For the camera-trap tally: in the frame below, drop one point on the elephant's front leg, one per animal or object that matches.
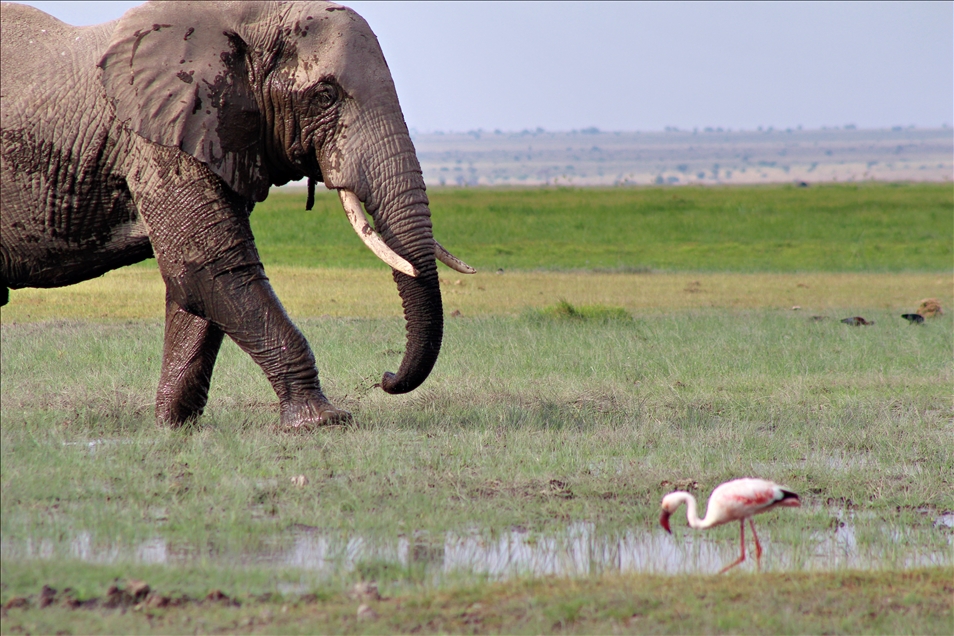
(188, 355)
(240, 300)
(203, 243)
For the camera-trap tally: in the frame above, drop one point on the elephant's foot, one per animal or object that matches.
(175, 415)
(313, 413)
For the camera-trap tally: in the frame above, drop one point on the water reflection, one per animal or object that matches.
(580, 549)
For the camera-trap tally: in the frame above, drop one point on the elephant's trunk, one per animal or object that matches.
(424, 313)
(379, 167)
(407, 230)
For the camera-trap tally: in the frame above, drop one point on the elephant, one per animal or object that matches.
(155, 135)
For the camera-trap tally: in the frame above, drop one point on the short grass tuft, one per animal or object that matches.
(564, 310)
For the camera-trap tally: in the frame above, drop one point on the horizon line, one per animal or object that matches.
(593, 130)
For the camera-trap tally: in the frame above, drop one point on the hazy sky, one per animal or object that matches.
(644, 66)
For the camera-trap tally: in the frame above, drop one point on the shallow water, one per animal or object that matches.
(946, 520)
(579, 549)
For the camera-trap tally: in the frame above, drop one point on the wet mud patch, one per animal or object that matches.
(129, 594)
(917, 601)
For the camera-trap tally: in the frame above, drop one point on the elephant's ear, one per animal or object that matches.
(177, 75)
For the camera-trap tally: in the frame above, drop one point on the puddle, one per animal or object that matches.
(578, 550)
(97, 444)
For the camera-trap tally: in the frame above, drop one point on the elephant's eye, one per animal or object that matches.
(325, 95)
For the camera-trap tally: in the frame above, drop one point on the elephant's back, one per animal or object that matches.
(20, 22)
(41, 52)
(23, 26)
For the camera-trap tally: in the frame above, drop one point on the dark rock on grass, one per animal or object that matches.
(47, 596)
(158, 600)
(218, 596)
(857, 321)
(17, 602)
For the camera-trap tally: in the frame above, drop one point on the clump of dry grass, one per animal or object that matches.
(930, 307)
(565, 310)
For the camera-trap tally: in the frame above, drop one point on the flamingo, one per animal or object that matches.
(735, 500)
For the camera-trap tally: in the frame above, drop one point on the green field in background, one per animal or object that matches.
(779, 228)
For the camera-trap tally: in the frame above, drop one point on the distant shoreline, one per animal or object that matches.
(678, 157)
(593, 130)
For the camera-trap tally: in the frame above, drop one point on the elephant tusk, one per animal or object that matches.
(352, 207)
(452, 261)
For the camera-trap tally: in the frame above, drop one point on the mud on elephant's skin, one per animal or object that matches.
(156, 134)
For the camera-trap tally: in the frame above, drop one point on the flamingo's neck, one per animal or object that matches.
(692, 514)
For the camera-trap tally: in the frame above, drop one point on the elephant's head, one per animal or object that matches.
(267, 92)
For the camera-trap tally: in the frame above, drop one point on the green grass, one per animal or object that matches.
(611, 407)
(563, 406)
(827, 228)
(917, 602)
(138, 293)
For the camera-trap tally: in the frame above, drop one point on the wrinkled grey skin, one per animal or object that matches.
(157, 133)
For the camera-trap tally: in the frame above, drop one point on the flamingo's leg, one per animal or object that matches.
(742, 543)
(758, 546)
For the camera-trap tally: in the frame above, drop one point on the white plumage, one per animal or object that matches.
(735, 500)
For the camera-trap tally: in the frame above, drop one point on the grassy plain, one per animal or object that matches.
(873, 227)
(138, 293)
(915, 602)
(547, 428)
(529, 427)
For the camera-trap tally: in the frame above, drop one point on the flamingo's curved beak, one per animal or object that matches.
(664, 520)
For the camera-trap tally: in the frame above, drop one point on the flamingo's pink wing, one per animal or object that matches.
(741, 498)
